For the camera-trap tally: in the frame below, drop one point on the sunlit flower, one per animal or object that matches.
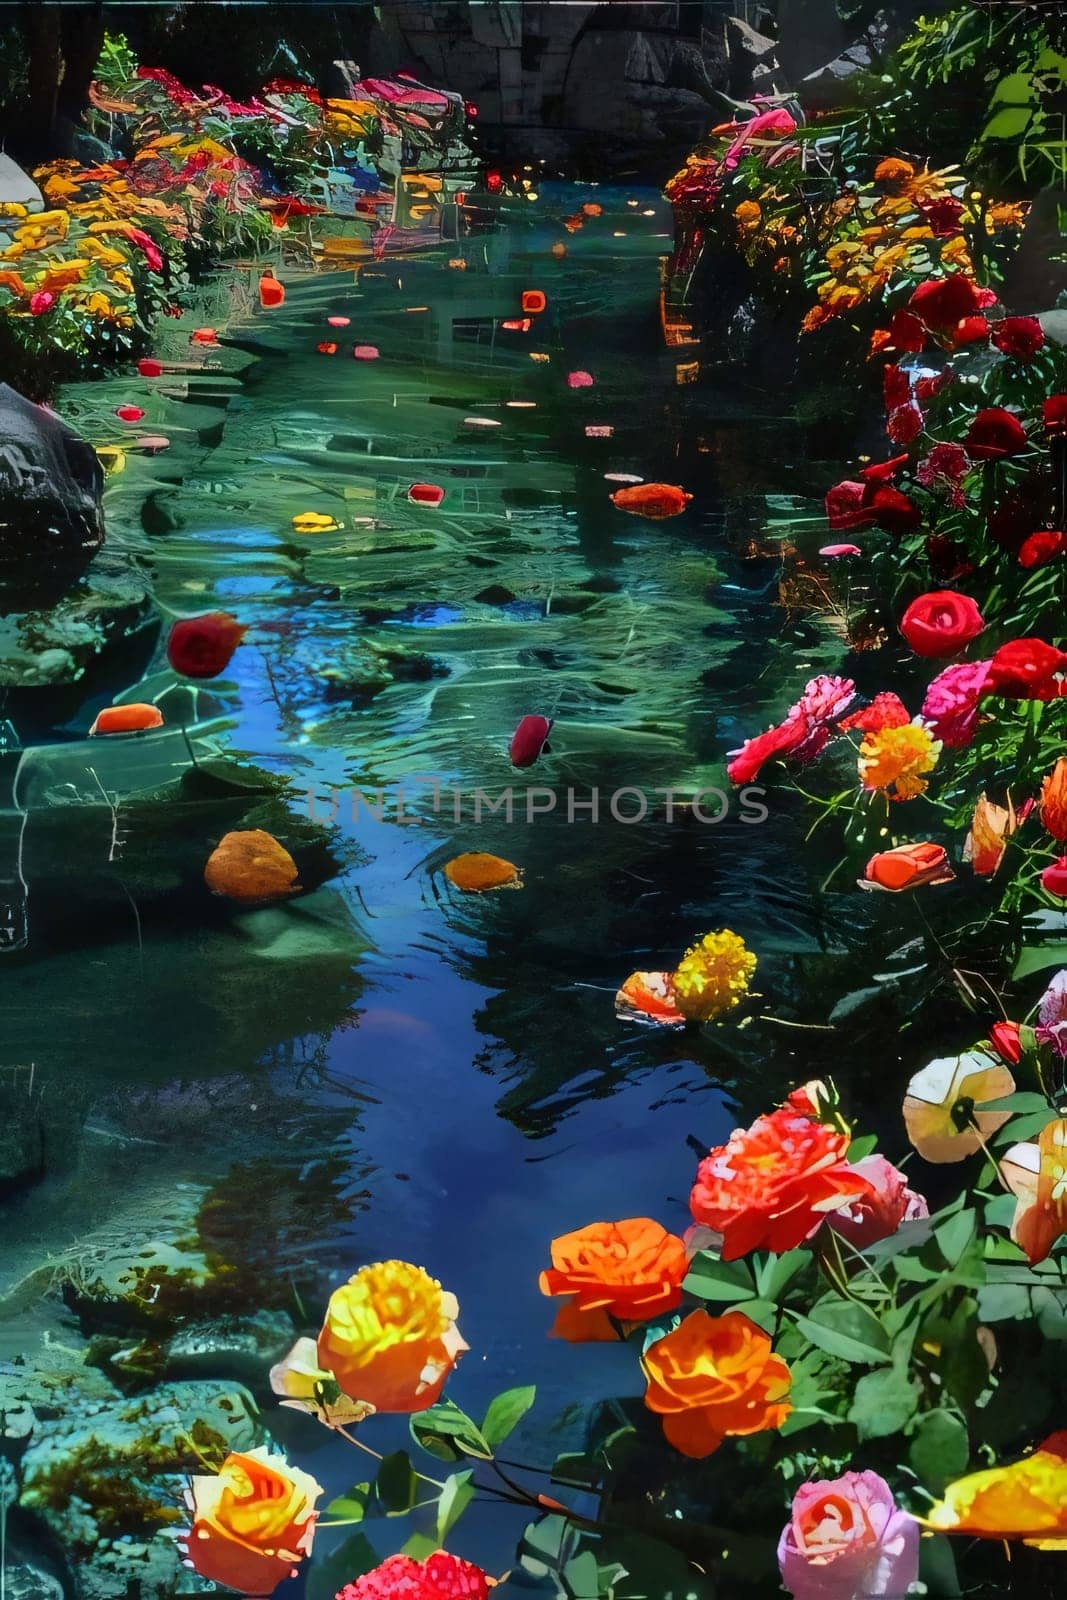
(951, 704)
(886, 710)
(630, 1271)
(907, 866)
(991, 828)
(713, 976)
(713, 1377)
(442, 1576)
(252, 1523)
(648, 997)
(1037, 1175)
(879, 1213)
(940, 1105)
(771, 1186)
(1025, 1500)
(894, 760)
(1052, 807)
(390, 1337)
(845, 1538)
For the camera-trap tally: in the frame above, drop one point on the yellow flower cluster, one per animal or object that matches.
(713, 976)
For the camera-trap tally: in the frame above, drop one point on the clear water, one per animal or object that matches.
(385, 1067)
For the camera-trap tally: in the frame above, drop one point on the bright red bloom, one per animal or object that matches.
(41, 302)
(1041, 547)
(896, 387)
(904, 424)
(755, 753)
(1054, 411)
(886, 710)
(972, 330)
(942, 303)
(1054, 878)
(993, 434)
(846, 506)
(941, 623)
(1004, 1037)
(149, 367)
(927, 388)
(1019, 337)
(771, 1186)
(882, 471)
(906, 333)
(1026, 669)
(440, 1577)
(201, 647)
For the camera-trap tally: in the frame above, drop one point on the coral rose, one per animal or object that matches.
(390, 1337)
(1025, 1500)
(878, 1214)
(630, 1271)
(713, 1377)
(847, 1538)
(440, 1577)
(907, 866)
(253, 1522)
(1054, 878)
(771, 1185)
(1052, 807)
(993, 434)
(1034, 1174)
(941, 623)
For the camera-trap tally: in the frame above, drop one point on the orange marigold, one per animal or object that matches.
(894, 759)
(771, 1185)
(630, 1270)
(712, 1377)
(894, 171)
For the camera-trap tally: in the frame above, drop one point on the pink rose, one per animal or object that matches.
(41, 302)
(847, 1538)
(876, 1215)
(951, 706)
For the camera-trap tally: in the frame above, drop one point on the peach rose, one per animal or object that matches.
(630, 1270)
(1025, 1500)
(846, 1538)
(253, 1522)
(390, 1337)
(715, 1376)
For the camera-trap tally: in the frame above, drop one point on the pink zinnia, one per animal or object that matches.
(951, 705)
(945, 468)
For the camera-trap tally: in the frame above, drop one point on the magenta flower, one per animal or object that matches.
(846, 1538)
(950, 709)
(876, 1215)
(1052, 1015)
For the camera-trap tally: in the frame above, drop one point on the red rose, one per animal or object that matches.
(1004, 1037)
(942, 215)
(1019, 337)
(941, 623)
(972, 330)
(1026, 669)
(994, 433)
(1054, 411)
(881, 471)
(845, 506)
(896, 388)
(1054, 878)
(942, 303)
(904, 424)
(906, 333)
(926, 388)
(893, 511)
(1041, 547)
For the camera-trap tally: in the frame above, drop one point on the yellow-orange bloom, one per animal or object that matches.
(748, 216)
(712, 1377)
(477, 871)
(630, 1270)
(253, 1522)
(894, 171)
(1025, 1500)
(1037, 1176)
(894, 759)
(940, 1105)
(713, 976)
(390, 1337)
(991, 828)
(1053, 802)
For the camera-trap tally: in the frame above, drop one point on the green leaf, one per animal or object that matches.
(505, 1413)
(352, 1505)
(396, 1485)
(937, 1567)
(419, 1546)
(344, 1565)
(454, 1499)
(955, 1235)
(712, 1279)
(448, 1433)
(775, 1273)
(846, 1329)
(1035, 957)
(883, 1402)
(939, 1450)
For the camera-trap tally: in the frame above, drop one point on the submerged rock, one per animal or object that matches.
(50, 487)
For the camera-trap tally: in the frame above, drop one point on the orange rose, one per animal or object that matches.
(252, 1523)
(907, 866)
(1053, 803)
(1025, 1500)
(390, 1337)
(630, 1270)
(715, 1376)
(770, 1186)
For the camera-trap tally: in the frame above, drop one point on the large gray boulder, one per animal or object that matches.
(17, 187)
(50, 487)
